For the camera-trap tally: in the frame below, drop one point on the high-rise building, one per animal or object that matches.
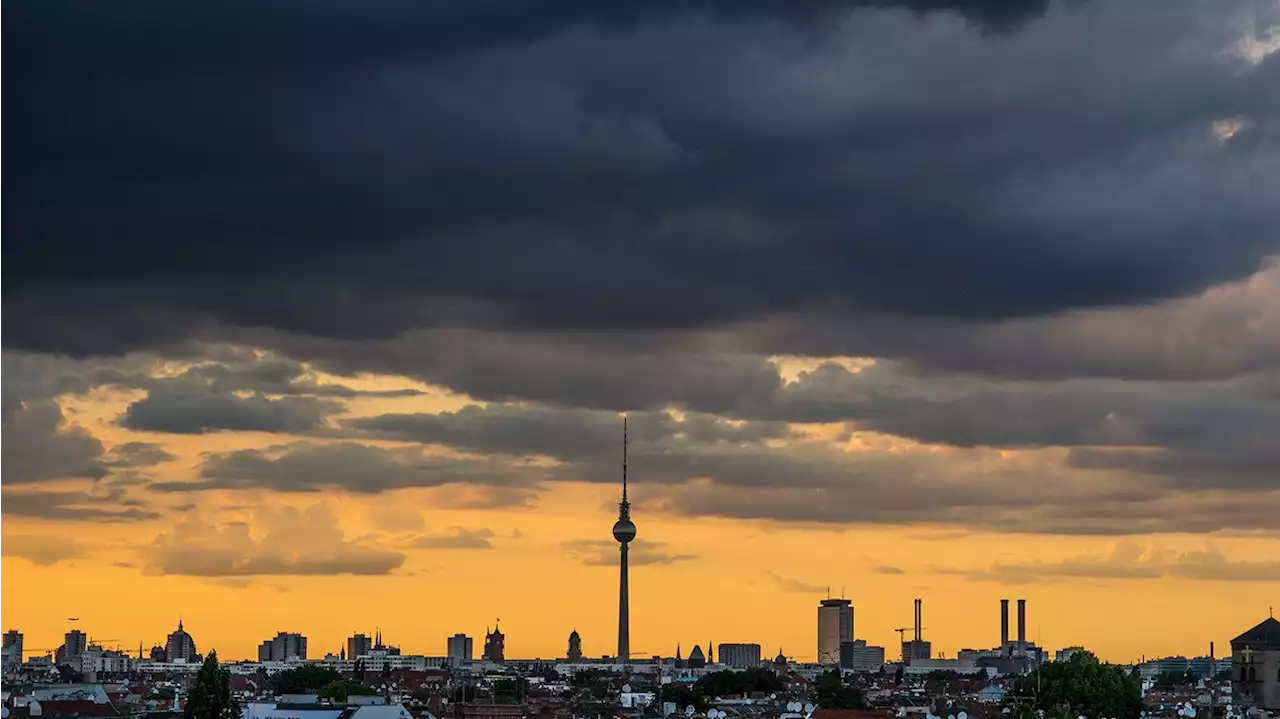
(74, 643)
(624, 531)
(459, 650)
(494, 645)
(12, 648)
(180, 647)
(835, 625)
(575, 647)
(284, 647)
(358, 645)
(740, 656)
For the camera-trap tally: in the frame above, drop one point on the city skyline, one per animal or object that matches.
(953, 300)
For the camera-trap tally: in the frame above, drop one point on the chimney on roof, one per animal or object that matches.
(1004, 627)
(1022, 627)
(919, 619)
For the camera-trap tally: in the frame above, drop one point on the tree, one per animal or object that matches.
(306, 679)
(728, 682)
(210, 696)
(682, 696)
(509, 691)
(830, 692)
(1080, 686)
(340, 689)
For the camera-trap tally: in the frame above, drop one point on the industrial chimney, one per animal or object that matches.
(1022, 627)
(919, 620)
(1004, 627)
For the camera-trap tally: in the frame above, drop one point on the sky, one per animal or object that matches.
(323, 317)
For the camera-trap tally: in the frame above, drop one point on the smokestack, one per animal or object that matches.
(1022, 627)
(919, 619)
(1004, 627)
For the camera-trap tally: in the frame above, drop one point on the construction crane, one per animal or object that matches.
(902, 631)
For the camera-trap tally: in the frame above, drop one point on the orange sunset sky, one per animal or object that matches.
(542, 569)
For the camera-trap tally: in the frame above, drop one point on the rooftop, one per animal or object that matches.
(1266, 634)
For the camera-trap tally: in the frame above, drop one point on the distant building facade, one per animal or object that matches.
(740, 656)
(73, 645)
(835, 625)
(1255, 666)
(858, 656)
(459, 650)
(285, 646)
(358, 645)
(12, 652)
(180, 647)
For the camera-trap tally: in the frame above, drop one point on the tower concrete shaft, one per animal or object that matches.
(624, 611)
(624, 531)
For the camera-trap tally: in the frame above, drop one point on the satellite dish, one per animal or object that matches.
(626, 688)
(951, 716)
(688, 711)
(773, 696)
(793, 706)
(4, 712)
(808, 708)
(962, 715)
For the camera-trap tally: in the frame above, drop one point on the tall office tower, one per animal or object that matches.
(835, 625)
(740, 656)
(624, 531)
(73, 645)
(358, 645)
(460, 650)
(12, 648)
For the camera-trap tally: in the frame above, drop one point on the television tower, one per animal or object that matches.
(624, 530)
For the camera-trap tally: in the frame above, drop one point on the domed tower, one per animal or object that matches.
(575, 647)
(180, 646)
(624, 531)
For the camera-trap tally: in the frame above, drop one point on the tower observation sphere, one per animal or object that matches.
(624, 530)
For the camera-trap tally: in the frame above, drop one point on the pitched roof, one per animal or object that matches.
(1266, 634)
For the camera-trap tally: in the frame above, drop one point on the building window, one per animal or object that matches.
(1253, 674)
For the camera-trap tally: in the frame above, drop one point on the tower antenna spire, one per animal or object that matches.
(624, 458)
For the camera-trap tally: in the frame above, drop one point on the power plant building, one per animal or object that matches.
(917, 648)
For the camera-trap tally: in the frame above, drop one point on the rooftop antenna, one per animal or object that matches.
(624, 458)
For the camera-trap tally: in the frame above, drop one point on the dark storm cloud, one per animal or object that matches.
(181, 412)
(134, 455)
(74, 506)
(564, 434)
(40, 445)
(455, 538)
(1128, 560)
(262, 373)
(289, 541)
(309, 467)
(352, 177)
